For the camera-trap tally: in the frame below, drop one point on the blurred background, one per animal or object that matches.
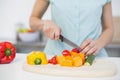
(14, 20)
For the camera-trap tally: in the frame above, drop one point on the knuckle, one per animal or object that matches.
(95, 43)
(86, 50)
(56, 36)
(89, 53)
(94, 48)
(51, 38)
(46, 29)
(90, 46)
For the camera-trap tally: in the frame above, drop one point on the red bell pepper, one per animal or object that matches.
(53, 60)
(66, 53)
(7, 52)
(76, 50)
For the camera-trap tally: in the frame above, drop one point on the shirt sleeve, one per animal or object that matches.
(107, 1)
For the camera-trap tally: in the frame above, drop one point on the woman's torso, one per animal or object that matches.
(78, 20)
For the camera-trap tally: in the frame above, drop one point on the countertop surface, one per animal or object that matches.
(43, 43)
(14, 71)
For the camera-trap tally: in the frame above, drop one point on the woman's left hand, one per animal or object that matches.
(90, 47)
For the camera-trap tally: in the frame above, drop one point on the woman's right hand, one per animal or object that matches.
(51, 30)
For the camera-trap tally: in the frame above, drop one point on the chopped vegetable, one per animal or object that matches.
(71, 58)
(53, 60)
(76, 50)
(89, 60)
(65, 61)
(66, 53)
(77, 61)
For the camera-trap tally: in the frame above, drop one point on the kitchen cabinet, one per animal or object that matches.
(113, 49)
(28, 47)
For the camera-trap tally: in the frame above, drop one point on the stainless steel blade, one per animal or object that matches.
(67, 41)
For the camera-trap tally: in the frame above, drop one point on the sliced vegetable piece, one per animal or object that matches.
(73, 54)
(76, 50)
(53, 60)
(82, 55)
(66, 53)
(89, 60)
(77, 61)
(65, 61)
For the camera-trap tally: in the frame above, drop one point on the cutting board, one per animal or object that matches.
(100, 68)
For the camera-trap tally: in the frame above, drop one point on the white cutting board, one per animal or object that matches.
(99, 69)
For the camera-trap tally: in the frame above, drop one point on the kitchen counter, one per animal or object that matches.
(113, 48)
(14, 71)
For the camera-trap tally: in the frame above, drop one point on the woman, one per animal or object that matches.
(87, 23)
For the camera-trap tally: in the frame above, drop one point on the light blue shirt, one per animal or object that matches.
(78, 20)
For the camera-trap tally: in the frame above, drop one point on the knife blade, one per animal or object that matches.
(70, 43)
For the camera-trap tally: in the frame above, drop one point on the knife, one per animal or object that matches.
(70, 43)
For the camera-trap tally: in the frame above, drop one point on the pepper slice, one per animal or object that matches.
(66, 53)
(53, 60)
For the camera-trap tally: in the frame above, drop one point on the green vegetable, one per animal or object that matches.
(37, 61)
(89, 60)
(22, 30)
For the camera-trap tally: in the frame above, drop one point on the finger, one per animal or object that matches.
(57, 34)
(88, 47)
(91, 51)
(52, 35)
(85, 43)
(46, 27)
(96, 52)
(47, 32)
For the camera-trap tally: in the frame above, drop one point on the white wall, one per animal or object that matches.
(116, 7)
(14, 11)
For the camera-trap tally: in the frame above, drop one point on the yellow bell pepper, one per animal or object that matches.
(77, 61)
(82, 55)
(64, 61)
(36, 58)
